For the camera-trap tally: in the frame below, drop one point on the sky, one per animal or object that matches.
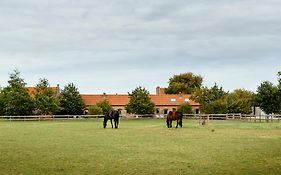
(114, 46)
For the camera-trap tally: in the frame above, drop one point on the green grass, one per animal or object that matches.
(142, 146)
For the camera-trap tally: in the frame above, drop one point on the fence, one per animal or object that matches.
(200, 117)
(48, 117)
(205, 118)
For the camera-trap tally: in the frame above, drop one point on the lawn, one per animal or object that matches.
(140, 146)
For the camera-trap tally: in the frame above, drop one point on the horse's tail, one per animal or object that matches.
(167, 121)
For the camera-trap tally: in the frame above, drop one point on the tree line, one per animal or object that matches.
(215, 100)
(15, 99)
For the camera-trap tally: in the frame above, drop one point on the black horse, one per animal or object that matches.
(174, 116)
(112, 115)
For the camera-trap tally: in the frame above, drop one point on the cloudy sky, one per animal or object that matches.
(114, 46)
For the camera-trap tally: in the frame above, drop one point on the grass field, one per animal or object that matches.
(142, 146)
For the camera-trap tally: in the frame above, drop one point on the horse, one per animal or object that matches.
(113, 114)
(174, 116)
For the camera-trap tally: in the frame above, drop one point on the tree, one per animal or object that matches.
(140, 102)
(71, 102)
(210, 99)
(218, 106)
(185, 108)
(184, 83)
(105, 106)
(95, 110)
(268, 97)
(1, 103)
(46, 102)
(15, 98)
(239, 101)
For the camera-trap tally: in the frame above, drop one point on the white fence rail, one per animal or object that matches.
(203, 117)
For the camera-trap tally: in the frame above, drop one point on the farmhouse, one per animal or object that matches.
(163, 102)
(55, 89)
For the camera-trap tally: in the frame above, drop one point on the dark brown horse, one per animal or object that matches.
(174, 116)
(112, 115)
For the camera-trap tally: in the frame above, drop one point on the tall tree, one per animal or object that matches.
(239, 101)
(71, 101)
(15, 98)
(45, 98)
(268, 97)
(140, 102)
(1, 103)
(210, 99)
(184, 83)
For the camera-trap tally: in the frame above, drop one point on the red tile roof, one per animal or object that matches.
(31, 90)
(122, 100)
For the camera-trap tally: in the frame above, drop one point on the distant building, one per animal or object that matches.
(163, 102)
(56, 90)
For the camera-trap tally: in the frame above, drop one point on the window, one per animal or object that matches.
(186, 100)
(157, 110)
(173, 100)
(165, 111)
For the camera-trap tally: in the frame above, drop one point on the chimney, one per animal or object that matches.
(157, 90)
(160, 90)
(58, 90)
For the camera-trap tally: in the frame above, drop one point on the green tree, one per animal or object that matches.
(185, 108)
(95, 110)
(268, 97)
(140, 102)
(45, 98)
(105, 106)
(239, 101)
(15, 98)
(184, 83)
(218, 106)
(71, 102)
(1, 103)
(209, 98)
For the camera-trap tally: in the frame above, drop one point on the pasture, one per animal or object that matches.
(139, 146)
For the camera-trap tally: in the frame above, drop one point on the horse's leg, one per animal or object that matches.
(104, 122)
(170, 123)
(180, 122)
(177, 123)
(111, 123)
(116, 123)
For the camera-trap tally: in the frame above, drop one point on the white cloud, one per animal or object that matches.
(102, 45)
